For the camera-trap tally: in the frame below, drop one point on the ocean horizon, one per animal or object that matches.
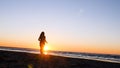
(92, 56)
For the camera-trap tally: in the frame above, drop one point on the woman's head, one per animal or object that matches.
(42, 33)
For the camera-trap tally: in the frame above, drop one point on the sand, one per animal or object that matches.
(9, 59)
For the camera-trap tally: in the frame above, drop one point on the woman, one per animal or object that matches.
(42, 40)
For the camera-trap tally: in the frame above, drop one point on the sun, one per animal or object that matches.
(46, 48)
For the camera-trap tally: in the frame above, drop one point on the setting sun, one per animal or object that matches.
(46, 48)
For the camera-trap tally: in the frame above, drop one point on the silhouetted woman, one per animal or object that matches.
(42, 40)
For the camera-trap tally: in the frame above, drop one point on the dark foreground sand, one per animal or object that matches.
(27, 60)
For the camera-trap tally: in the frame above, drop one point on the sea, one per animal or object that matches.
(80, 55)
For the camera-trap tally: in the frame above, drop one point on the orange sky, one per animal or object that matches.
(61, 47)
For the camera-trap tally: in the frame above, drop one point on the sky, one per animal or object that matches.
(91, 26)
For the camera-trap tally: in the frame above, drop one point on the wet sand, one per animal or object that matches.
(9, 59)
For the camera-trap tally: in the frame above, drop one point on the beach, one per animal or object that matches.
(11, 59)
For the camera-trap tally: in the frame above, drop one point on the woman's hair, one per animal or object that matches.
(42, 32)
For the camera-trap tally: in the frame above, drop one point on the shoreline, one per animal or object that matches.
(13, 59)
(26, 50)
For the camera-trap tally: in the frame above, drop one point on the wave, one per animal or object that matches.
(92, 56)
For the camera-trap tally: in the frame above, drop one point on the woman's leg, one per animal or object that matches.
(41, 48)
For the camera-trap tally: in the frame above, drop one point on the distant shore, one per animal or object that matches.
(10, 59)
